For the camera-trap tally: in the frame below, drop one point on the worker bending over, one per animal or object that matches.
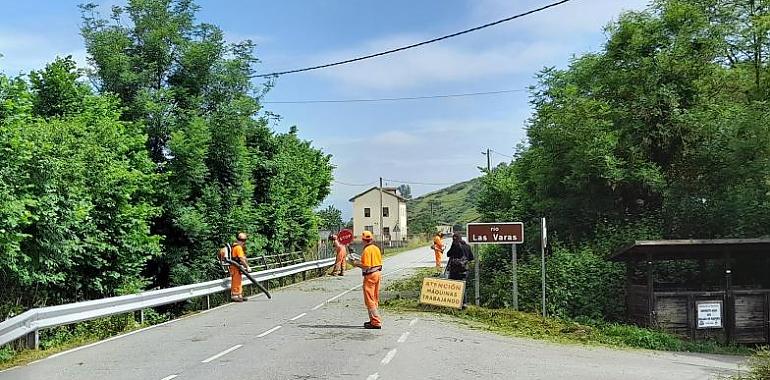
(238, 255)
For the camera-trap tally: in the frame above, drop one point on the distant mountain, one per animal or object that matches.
(454, 205)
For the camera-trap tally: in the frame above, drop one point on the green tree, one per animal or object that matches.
(223, 169)
(330, 218)
(405, 191)
(75, 198)
(57, 90)
(661, 134)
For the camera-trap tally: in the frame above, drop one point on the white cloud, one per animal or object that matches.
(566, 21)
(22, 53)
(438, 63)
(522, 46)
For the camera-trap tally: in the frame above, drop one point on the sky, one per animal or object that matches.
(425, 143)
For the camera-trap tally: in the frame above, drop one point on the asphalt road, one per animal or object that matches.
(314, 331)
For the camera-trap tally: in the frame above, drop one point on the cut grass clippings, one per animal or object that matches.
(759, 366)
(530, 325)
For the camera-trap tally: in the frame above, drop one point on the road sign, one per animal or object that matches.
(709, 314)
(345, 237)
(496, 233)
(444, 293)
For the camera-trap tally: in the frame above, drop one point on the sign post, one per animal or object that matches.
(515, 277)
(499, 233)
(543, 244)
(476, 268)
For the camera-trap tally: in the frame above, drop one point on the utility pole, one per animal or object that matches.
(476, 265)
(382, 236)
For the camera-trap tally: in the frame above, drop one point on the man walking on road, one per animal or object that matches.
(341, 251)
(438, 249)
(371, 266)
(238, 255)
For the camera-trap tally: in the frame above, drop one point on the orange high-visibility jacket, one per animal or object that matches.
(371, 256)
(438, 245)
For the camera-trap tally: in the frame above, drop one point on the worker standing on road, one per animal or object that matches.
(238, 255)
(371, 266)
(438, 249)
(341, 251)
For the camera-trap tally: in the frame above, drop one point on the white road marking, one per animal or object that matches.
(338, 296)
(414, 321)
(274, 329)
(352, 289)
(169, 377)
(373, 376)
(9, 369)
(403, 337)
(298, 317)
(223, 353)
(388, 357)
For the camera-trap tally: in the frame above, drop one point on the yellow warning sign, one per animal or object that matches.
(440, 292)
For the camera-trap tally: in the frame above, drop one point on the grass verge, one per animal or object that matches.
(529, 325)
(759, 366)
(414, 244)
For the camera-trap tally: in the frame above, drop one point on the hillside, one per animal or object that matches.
(452, 205)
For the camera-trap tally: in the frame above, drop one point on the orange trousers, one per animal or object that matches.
(235, 282)
(372, 297)
(339, 265)
(438, 258)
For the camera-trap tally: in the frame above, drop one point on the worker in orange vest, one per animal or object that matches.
(371, 266)
(438, 249)
(341, 251)
(238, 255)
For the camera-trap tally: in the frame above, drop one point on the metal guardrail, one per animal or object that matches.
(31, 321)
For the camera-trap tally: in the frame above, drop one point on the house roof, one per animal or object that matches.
(385, 190)
(657, 250)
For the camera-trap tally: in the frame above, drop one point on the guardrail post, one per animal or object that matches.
(141, 316)
(208, 302)
(33, 340)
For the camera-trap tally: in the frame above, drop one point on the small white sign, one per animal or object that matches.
(709, 314)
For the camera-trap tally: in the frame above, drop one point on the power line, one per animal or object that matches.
(442, 96)
(275, 74)
(501, 154)
(354, 184)
(420, 183)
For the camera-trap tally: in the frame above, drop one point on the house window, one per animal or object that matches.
(386, 232)
(369, 228)
(367, 212)
(385, 212)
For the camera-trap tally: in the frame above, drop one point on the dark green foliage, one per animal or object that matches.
(663, 133)
(76, 204)
(223, 170)
(57, 91)
(137, 181)
(453, 205)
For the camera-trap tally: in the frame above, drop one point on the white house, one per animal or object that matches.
(366, 214)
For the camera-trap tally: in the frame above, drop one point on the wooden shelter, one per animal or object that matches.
(700, 289)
